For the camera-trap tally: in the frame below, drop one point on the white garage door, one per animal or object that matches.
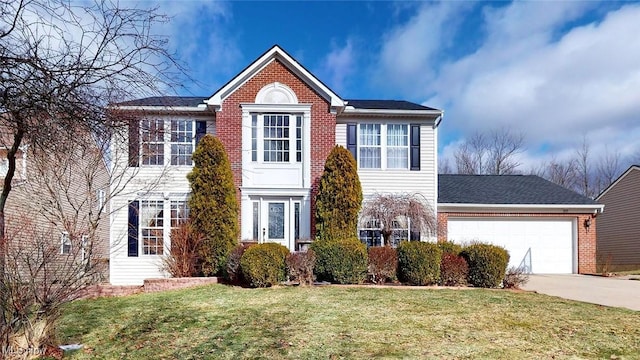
(546, 245)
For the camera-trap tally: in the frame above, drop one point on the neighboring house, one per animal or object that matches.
(54, 205)
(278, 123)
(618, 243)
(545, 227)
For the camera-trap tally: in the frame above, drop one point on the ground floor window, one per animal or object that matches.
(371, 233)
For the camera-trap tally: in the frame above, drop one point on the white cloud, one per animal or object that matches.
(338, 65)
(537, 73)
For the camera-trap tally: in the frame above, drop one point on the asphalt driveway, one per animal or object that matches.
(608, 291)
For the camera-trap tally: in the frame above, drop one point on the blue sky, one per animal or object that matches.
(557, 71)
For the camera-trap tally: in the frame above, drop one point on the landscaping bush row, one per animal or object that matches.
(348, 261)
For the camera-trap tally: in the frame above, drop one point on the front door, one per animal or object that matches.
(275, 216)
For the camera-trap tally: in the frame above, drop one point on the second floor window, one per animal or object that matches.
(277, 137)
(167, 142)
(383, 146)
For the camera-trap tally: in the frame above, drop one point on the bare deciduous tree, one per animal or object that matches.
(492, 154)
(609, 168)
(412, 209)
(61, 63)
(563, 173)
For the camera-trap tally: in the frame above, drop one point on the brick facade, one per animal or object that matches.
(586, 236)
(323, 123)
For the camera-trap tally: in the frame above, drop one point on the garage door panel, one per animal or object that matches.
(548, 242)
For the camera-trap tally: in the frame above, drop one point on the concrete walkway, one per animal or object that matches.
(619, 292)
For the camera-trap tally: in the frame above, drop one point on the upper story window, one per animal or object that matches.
(276, 138)
(65, 243)
(4, 167)
(169, 142)
(383, 146)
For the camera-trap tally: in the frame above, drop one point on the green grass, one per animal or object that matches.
(222, 322)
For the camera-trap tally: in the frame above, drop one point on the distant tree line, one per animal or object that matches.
(496, 153)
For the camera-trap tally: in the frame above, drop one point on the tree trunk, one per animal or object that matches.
(6, 189)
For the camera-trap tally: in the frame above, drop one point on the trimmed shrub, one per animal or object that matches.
(341, 261)
(233, 273)
(419, 262)
(263, 265)
(339, 197)
(213, 205)
(449, 247)
(487, 264)
(383, 264)
(300, 267)
(514, 278)
(453, 270)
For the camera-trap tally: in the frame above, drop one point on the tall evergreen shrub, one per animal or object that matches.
(213, 204)
(339, 197)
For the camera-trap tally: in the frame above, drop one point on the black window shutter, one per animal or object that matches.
(201, 130)
(134, 142)
(415, 147)
(352, 140)
(134, 209)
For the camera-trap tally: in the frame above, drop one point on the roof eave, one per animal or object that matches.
(149, 108)
(554, 208)
(353, 111)
(631, 168)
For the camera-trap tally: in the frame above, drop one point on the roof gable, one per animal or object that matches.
(613, 184)
(505, 190)
(275, 53)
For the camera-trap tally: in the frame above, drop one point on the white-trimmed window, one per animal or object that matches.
(276, 138)
(168, 142)
(100, 200)
(4, 167)
(383, 146)
(65, 243)
(152, 227)
(152, 141)
(182, 142)
(179, 213)
(84, 242)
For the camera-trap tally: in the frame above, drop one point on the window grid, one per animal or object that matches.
(179, 213)
(397, 146)
(65, 243)
(370, 146)
(276, 138)
(152, 141)
(151, 226)
(254, 137)
(181, 142)
(299, 138)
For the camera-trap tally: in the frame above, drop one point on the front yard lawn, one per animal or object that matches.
(345, 322)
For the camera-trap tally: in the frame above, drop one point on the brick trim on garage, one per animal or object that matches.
(586, 240)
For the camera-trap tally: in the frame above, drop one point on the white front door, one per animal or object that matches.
(275, 222)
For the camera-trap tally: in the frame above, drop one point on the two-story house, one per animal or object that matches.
(278, 123)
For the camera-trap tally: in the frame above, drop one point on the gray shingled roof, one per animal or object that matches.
(194, 101)
(188, 101)
(386, 105)
(505, 189)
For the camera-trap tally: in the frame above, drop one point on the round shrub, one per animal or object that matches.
(383, 264)
(341, 261)
(300, 266)
(264, 264)
(487, 264)
(453, 270)
(449, 247)
(419, 262)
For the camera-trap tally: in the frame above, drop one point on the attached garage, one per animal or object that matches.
(540, 246)
(546, 228)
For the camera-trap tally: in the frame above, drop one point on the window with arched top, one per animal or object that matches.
(276, 93)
